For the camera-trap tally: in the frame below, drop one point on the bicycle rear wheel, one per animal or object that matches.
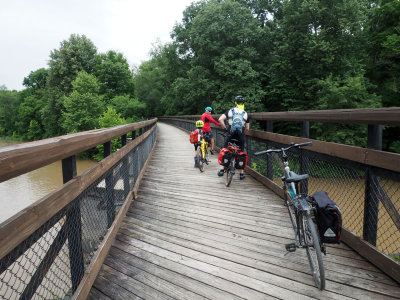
(230, 171)
(200, 159)
(313, 248)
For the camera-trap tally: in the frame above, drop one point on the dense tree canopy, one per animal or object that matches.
(279, 54)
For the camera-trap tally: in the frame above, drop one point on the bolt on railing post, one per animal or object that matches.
(304, 132)
(269, 126)
(109, 189)
(371, 204)
(73, 227)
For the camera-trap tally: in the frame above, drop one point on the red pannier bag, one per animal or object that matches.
(224, 157)
(194, 137)
(241, 161)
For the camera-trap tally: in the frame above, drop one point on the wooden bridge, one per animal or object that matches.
(145, 224)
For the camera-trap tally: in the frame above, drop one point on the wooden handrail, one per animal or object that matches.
(22, 158)
(385, 115)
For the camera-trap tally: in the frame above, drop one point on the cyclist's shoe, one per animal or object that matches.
(242, 176)
(221, 173)
(212, 151)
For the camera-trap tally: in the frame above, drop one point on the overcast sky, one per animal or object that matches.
(31, 29)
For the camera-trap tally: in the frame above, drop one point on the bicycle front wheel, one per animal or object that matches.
(313, 248)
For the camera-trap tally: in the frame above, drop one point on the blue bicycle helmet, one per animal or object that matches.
(208, 108)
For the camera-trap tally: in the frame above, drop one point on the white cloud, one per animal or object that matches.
(30, 30)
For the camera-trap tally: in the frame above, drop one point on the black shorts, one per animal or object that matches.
(208, 136)
(196, 146)
(239, 142)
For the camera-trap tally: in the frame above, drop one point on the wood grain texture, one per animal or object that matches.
(188, 236)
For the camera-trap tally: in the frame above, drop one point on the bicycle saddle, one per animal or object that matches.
(296, 178)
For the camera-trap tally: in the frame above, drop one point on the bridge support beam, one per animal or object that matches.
(304, 132)
(73, 227)
(269, 126)
(110, 201)
(371, 204)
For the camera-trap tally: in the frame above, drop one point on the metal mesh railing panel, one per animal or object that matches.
(49, 264)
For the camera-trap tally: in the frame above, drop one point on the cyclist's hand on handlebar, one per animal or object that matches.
(226, 130)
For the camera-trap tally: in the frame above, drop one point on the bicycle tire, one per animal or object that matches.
(313, 248)
(229, 175)
(200, 160)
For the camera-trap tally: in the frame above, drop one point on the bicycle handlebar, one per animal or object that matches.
(283, 149)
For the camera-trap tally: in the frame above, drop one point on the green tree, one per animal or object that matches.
(220, 43)
(113, 72)
(76, 54)
(84, 105)
(9, 102)
(29, 110)
(129, 108)
(109, 118)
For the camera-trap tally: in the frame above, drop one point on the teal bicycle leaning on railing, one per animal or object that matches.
(302, 214)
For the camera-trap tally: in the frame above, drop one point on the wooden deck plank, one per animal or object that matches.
(187, 236)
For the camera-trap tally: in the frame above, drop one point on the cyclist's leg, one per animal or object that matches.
(227, 140)
(241, 147)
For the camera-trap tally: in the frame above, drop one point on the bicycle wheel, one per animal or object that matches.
(313, 248)
(200, 159)
(230, 171)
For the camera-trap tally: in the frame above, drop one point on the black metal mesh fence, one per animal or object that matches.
(51, 262)
(368, 197)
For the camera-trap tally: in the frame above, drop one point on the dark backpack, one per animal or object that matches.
(237, 122)
(328, 217)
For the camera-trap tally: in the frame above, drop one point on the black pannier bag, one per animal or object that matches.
(241, 161)
(224, 157)
(328, 217)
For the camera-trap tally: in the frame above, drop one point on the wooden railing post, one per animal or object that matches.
(371, 205)
(73, 227)
(269, 126)
(133, 135)
(304, 132)
(109, 189)
(123, 140)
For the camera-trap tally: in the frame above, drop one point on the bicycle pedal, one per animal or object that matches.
(290, 247)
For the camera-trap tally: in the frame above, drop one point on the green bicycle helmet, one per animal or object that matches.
(199, 124)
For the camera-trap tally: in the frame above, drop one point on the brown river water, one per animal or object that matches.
(19, 192)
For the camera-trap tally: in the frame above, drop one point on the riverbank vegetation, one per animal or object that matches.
(279, 54)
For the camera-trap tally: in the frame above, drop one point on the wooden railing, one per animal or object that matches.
(40, 231)
(373, 174)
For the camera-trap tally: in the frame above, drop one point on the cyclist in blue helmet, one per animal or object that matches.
(207, 118)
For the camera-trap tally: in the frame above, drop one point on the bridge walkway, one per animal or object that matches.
(187, 236)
